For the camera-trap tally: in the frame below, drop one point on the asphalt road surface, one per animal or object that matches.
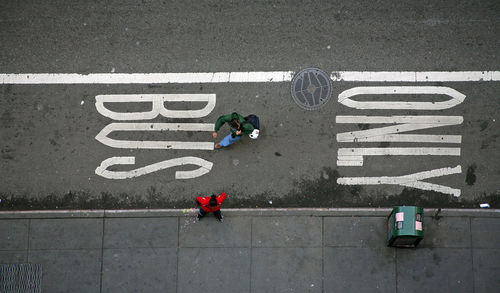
(426, 132)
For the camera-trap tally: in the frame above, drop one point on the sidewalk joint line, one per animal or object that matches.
(322, 254)
(472, 256)
(178, 249)
(251, 254)
(396, 267)
(28, 248)
(102, 253)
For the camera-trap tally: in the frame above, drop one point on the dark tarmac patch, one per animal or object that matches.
(483, 125)
(7, 120)
(363, 126)
(470, 178)
(7, 153)
(322, 192)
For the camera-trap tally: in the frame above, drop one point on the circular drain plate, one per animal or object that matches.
(311, 88)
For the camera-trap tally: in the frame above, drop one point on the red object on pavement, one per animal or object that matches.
(204, 202)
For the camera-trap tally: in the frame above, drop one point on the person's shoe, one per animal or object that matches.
(217, 146)
(221, 219)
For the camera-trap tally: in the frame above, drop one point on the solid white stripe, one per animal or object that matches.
(145, 78)
(415, 76)
(250, 76)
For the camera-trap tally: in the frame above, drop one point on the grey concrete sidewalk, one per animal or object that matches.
(300, 250)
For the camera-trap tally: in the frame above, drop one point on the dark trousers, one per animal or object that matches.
(217, 214)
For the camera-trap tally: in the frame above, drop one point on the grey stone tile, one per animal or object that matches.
(139, 270)
(288, 269)
(485, 232)
(434, 269)
(221, 270)
(13, 256)
(355, 231)
(65, 233)
(486, 270)
(69, 270)
(140, 232)
(13, 234)
(359, 269)
(299, 231)
(233, 232)
(446, 232)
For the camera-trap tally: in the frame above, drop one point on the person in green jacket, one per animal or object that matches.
(237, 126)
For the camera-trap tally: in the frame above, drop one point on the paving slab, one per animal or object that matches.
(140, 232)
(359, 269)
(287, 232)
(14, 234)
(259, 252)
(434, 269)
(139, 270)
(355, 231)
(446, 232)
(485, 232)
(222, 270)
(13, 256)
(69, 270)
(233, 232)
(486, 270)
(288, 269)
(65, 233)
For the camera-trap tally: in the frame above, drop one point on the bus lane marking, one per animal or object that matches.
(157, 102)
(102, 136)
(456, 97)
(346, 157)
(102, 170)
(158, 105)
(343, 154)
(406, 123)
(354, 157)
(411, 180)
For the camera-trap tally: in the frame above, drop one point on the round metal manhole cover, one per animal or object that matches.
(311, 88)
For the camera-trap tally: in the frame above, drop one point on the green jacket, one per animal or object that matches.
(246, 128)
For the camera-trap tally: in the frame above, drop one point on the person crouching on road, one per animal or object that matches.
(210, 204)
(237, 126)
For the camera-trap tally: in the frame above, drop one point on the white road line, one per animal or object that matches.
(430, 138)
(391, 133)
(421, 119)
(429, 151)
(246, 76)
(145, 78)
(343, 154)
(158, 105)
(205, 167)
(411, 180)
(456, 97)
(415, 76)
(350, 161)
(102, 136)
